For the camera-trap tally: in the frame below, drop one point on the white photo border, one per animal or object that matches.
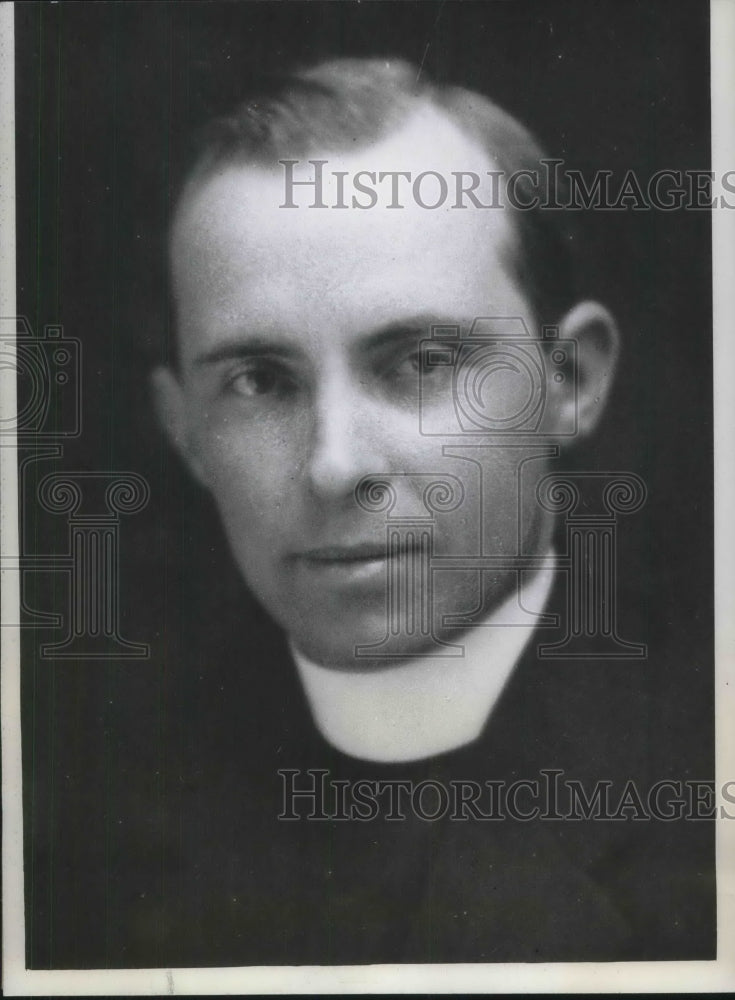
(613, 977)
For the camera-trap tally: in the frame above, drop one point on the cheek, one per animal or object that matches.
(499, 507)
(247, 470)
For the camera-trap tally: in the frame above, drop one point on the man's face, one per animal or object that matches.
(299, 344)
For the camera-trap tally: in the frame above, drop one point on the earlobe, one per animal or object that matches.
(592, 327)
(171, 409)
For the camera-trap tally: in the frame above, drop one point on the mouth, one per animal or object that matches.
(328, 554)
(363, 562)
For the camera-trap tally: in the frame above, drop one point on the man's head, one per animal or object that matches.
(299, 370)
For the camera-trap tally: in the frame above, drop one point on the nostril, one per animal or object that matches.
(338, 461)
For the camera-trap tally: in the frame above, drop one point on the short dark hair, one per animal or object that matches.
(351, 103)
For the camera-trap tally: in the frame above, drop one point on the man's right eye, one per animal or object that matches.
(259, 378)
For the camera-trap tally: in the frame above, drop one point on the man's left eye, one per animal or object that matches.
(410, 365)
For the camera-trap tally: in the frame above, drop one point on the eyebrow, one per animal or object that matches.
(238, 347)
(244, 346)
(419, 326)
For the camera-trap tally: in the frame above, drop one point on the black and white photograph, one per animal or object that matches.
(360, 477)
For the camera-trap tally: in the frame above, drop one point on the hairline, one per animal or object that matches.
(474, 115)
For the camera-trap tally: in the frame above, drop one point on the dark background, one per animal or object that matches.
(104, 92)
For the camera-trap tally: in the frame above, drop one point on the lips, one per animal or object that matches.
(364, 562)
(344, 553)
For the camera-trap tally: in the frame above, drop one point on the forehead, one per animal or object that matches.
(238, 254)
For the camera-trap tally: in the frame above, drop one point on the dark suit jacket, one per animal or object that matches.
(168, 850)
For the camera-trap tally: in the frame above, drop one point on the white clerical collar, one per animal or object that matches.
(425, 706)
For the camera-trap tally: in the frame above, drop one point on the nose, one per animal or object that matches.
(346, 439)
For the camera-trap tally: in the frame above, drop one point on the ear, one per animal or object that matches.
(172, 409)
(596, 335)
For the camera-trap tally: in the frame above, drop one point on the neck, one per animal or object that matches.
(429, 705)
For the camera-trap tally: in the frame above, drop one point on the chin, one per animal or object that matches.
(338, 651)
(332, 648)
